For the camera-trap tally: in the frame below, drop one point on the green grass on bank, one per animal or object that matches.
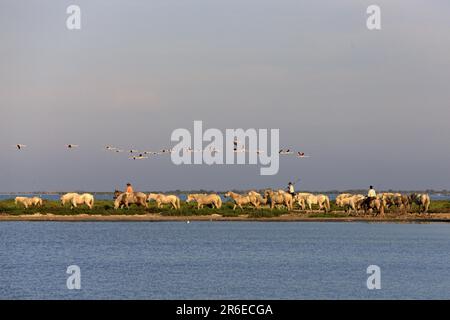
(105, 207)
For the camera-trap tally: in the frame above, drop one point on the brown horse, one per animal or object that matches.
(372, 205)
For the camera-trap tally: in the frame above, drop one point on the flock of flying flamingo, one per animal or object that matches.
(140, 155)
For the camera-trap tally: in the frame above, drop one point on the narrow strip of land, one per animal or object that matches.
(294, 216)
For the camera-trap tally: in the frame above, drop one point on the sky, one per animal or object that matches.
(369, 107)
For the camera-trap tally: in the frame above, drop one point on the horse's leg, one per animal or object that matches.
(234, 207)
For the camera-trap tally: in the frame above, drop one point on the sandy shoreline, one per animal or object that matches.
(436, 217)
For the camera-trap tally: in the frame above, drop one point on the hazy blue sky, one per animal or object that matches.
(371, 107)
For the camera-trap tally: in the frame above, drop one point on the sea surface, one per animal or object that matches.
(224, 260)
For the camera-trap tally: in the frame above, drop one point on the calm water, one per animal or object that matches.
(203, 260)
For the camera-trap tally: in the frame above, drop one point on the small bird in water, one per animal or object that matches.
(71, 146)
(110, 148)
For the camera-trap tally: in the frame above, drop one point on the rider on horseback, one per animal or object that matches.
(291, 189)
(371, 195)
(129, 189)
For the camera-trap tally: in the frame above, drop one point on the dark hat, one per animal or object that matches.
(128, 184)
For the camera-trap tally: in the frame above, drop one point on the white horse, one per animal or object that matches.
(76, 199)
(26, 202)
(301, 199)
(125, 199)
(322, 200)
(37, 202)
(203, 199)
(165, 199)
(85, 198)
(240, 200)
(420, 199)
(276, 198)
(342, 196)
(350, 202)
(67, 198)
(258, 196)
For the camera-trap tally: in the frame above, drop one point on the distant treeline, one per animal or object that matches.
(354, 191)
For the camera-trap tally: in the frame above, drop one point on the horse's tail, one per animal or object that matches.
(427, 203)
(219, 202)
(116, 203)
(291, 202)
(327, 203)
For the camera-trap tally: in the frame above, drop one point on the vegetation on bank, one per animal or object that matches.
(443, 192)
(106, 207)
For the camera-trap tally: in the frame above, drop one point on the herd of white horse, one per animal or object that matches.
(350, 203)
